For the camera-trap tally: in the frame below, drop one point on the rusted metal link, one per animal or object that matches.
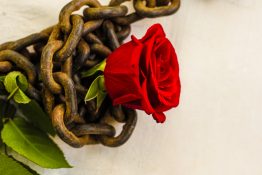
(70, 96)
(65, 134)
(76, 43)
(48, 30)
(92, 111)
(33, 93)
(26, 53)
(21, 62)
(48, 100)
(67, 67)
(111, 34)
(128, 19)
(24, 42)
(72, 40)
(123, 33)
(151, 12)
(92, 38)
(91, 26)
(117, 2)
(90, 62)
(162, 2)
(83, 52)
(118, 113)
(154, 3)
(100, 49)
(55, 34)
(151, 3)
(105, 12)
(67, 10)
(47, 66)
(94, 129)
(81, 91)
(38, 48)
(127, 131)
(5, 66)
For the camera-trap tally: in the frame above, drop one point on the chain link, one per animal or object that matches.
(53, 59)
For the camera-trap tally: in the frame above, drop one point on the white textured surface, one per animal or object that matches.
(217, 128)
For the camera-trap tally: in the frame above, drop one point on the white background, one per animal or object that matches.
(217, 129)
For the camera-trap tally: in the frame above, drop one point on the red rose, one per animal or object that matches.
(144, 74)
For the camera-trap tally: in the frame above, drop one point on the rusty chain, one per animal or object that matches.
(53, 59)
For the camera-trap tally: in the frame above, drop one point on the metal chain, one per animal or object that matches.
(53, 59)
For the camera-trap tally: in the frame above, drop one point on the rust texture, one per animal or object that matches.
(54, 58)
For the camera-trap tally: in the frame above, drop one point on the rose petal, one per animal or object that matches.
(159, 117)
(155, 30)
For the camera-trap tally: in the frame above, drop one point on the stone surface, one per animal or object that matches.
(216, 130)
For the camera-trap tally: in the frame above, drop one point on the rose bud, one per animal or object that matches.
(144, 74)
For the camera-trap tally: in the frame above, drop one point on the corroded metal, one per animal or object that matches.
(20, 61)
(5, 66)
(24, 42)
(54, 58)
(105, 12)
(73, 38)
(67, 10)
(64, 133)
(152, 10)
(128, 129)
(47, 66)
(111, 34)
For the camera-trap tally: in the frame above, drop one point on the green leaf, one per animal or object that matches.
(33, 144)
(15, 83)
(96, 90)
(20, 97)
(15, 79)
(101, 83)
(35, 114)
(2, 78)
(10, 167)
(7, 109)
(96, 68)
(100, 98)
(93, 90)
(33, 172)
